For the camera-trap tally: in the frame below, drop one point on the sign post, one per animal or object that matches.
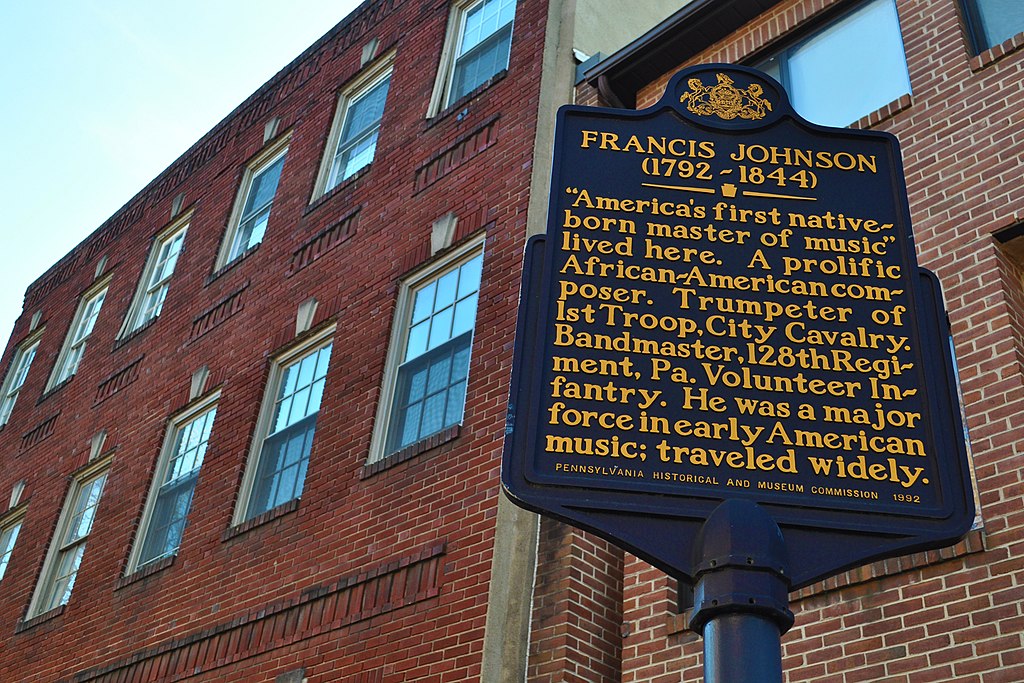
(725, 329)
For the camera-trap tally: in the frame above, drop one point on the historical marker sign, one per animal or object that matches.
(727, 305)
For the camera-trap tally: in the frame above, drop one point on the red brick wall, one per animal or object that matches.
(577, 608)
(954, 614)
(375, 574)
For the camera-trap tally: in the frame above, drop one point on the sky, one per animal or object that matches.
(97, 97)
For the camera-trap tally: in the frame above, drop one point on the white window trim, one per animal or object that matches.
(86, 476)
(174, 426)
(29, 343)
(382, 68)
(399, 338)
(265, 158)
(260, 433)
(94, 291)
(446, 67)
(132, 319)
(12, 519)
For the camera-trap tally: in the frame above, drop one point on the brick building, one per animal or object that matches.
(251, 426)
(943, 76)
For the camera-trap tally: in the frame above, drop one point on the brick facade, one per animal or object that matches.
(395, 568)
(376, 573)
(958, 613)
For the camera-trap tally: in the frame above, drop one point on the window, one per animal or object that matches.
(60, 569)
(480, 36)
(356, 125)
(846, 70)
(156, 277)
(992, 22)
(81, 328)
(174, 482)
(8, 537)
(23, 358)
(277, 469)
(430, 353)
(255, 199)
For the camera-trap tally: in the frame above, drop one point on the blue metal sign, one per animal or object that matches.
(727, 305)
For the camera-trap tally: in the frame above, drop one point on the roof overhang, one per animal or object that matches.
(688, 31)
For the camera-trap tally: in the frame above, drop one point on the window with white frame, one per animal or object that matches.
(844, 71)
(991, 22)
(478, 46)
(251, 214)
(276, 472)
(64, 558)
(81, 328)
(15, 379)
(353, 137)
(425, 386)
(174, 482)
(8, 537)
(156, 277)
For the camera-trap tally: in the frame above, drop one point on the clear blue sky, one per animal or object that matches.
(99, 96)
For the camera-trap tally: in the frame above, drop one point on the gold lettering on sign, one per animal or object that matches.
(732, 315)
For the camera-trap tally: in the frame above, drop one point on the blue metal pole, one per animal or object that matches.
(741, 603)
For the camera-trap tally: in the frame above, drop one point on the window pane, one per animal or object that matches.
(84, 510)
(8, 537)
(424, 302)
(282, 461)
(446, 290)
(430, 385)
(439, 374)
(60, 576)
(174, 497)
(430, 393)
(441, 327)
(417, 340)
(465, 315)
(64, 578)
(847, 70)
(433, 414)
(264, 186)
(482, 62)
(89, 310)
(995, 21)
(284, 456)
(164, 260)
(456, 402)
(259, 197)
(358, 140)
(483, 47)
(168, 519)
(469, 276)
(15, 380)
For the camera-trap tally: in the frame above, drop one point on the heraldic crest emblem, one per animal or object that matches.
(726, 100)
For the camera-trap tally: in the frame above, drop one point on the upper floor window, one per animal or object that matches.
(81, 328)
(353, 137)
(177, 471)
(853, 66)
(8, 537)
(64, 558)
(276, 472)
(255, 198)
(156, 277)
(477, 47)
(992, 22)
(15, 379)
(428, 363)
